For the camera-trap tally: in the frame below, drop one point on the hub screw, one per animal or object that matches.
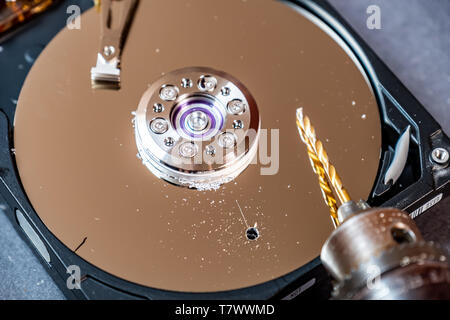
(158, 108)
(227, 140)
(210, 150)
(225, 91)
(236, 107)
(197, 121)
(159, 126)
(186, 83)
(207, 83)
(168, 92)
(238, 124)
(169, 142)
(188, 150)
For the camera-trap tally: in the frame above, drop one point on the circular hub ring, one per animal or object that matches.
(197, 127)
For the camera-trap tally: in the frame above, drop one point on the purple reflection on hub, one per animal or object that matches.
(203, 105)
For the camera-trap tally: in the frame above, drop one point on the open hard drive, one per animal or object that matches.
(154, 149)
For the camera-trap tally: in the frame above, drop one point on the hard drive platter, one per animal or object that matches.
(92, 170)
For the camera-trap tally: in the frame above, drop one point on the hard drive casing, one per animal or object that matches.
(421, 185)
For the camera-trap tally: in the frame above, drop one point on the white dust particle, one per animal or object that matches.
(364, 117)
(353, 103)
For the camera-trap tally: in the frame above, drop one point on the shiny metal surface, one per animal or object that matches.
(76, 151)
(379, 253)
(115, 19)
(440, 156)
(213, 136)
(364, 236)
(400, 156)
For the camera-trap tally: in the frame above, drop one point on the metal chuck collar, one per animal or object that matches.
(380, 254)
(197, 127)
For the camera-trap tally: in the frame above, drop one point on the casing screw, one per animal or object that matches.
(440, 156)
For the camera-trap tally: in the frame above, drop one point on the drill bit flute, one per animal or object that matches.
(304, 124)
(381, 239)
(319, 169)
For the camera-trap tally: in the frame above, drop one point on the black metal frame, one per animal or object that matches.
(420, 182)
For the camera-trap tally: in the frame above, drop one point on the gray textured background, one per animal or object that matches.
(414, 42)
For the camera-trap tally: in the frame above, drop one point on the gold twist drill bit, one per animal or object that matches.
(317, 166)
(305, 123)
(97, 4)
